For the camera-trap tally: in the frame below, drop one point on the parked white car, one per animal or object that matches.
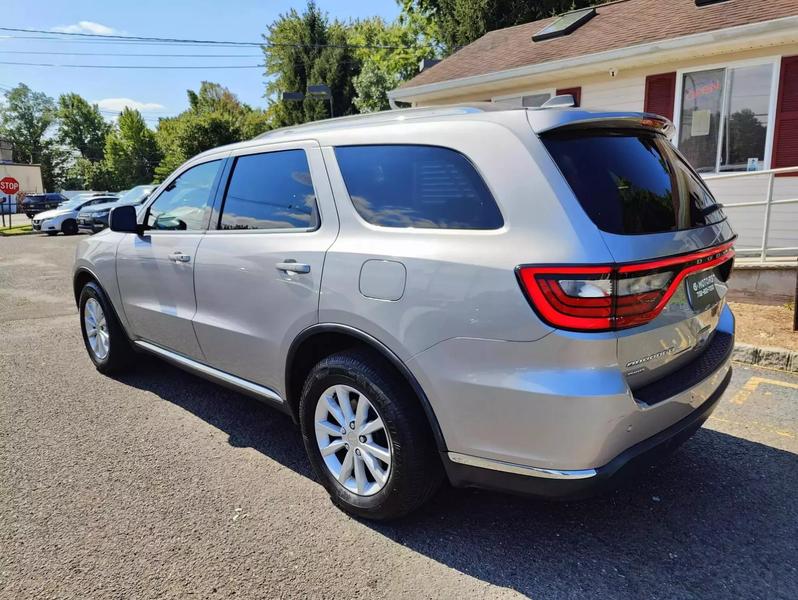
(65, 217)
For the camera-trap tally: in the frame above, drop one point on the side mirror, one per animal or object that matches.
(123, 219)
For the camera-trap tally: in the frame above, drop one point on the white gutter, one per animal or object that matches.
(782, 25)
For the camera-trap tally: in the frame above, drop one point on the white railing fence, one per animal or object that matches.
(762, 207)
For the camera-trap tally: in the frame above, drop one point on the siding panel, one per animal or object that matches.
(615, 94)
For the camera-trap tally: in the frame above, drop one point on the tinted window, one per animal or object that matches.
(270, 191)
(417, 186)
(632, 181)
(185, 203)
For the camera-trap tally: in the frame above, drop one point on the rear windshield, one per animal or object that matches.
(632, 181)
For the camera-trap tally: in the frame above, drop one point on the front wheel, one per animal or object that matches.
(105, 340)
(367, 437)
(69, 227)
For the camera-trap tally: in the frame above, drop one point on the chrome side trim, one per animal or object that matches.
(202, 370)
(499, 465)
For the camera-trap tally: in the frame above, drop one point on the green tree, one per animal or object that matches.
(460, 22)
(215, 117)
(390, 54)
(131, 152)
(81, 126)
(303, 49)
(85, 174)
(26, 120)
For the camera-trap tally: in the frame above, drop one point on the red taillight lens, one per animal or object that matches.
(596, 298)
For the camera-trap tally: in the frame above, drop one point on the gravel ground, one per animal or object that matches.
(765, 325)
(161, 485)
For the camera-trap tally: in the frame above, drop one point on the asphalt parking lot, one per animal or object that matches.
(161, 485)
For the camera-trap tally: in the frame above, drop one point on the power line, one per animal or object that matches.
(136, 38)
(71, 66)
(47, 52)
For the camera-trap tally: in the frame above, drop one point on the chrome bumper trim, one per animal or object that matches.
(202, 370)
(499, 465)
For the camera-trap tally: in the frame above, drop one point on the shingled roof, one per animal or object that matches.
(617, 25)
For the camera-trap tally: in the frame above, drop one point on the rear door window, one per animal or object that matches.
(417, 186)
(632, 181)
(270, 191)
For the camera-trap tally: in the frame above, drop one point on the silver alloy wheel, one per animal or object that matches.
(353, 440)
(96, 328)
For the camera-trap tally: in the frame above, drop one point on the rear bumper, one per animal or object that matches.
(559, 412)
(464, 471)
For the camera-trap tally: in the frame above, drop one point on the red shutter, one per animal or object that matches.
(576, 92)
(785, 138)
(660, 91)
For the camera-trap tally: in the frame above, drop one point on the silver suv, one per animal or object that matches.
(527, 300)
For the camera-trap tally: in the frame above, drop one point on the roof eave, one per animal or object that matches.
(738, 33)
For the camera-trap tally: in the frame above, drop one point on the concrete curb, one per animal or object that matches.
(774, 358)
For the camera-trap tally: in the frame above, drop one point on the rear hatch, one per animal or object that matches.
(663, 297)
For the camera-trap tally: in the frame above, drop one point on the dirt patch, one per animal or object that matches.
(765, 325)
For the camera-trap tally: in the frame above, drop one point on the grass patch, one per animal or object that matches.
(16, 230)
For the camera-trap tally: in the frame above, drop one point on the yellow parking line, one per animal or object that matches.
(750, 386)
(757, 425)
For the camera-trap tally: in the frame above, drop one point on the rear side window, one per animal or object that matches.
(270, 191)
(417, 186)
(632, 181)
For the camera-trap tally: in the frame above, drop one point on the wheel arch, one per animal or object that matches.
(84, 275)
(81, 277)
(317, 341)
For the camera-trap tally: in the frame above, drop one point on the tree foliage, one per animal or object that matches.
(390, 53)
(131, 152)
(27, 119)
(81, 126)
(215, 117)
(460, 22)
(307, 49)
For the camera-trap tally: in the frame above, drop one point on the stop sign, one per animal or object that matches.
(9, 185)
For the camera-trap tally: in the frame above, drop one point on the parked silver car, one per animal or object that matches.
(523, 299)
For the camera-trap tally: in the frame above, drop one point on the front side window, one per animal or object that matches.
(417, 186)
(186, 202)
(724, 118)
(270, 191)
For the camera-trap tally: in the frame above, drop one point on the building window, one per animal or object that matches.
(724, 117)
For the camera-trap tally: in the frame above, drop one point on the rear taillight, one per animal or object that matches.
(601, 298)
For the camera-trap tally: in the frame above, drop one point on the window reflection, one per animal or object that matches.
(270, 191)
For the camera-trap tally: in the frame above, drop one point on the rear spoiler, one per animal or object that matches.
(544, 121)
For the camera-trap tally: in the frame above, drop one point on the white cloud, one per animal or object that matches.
(86, 27)
(117, 104)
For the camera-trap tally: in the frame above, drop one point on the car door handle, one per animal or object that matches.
(179, 257)
(291, 266)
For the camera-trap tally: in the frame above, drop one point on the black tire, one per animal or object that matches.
(120, 352)
(416, 471)
(69, 227)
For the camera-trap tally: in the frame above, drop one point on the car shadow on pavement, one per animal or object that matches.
(718, 518)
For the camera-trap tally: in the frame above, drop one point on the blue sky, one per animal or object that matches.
(154, 92)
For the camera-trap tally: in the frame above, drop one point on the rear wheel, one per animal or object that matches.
(367, 437)
(105, 340)
(69, 227)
